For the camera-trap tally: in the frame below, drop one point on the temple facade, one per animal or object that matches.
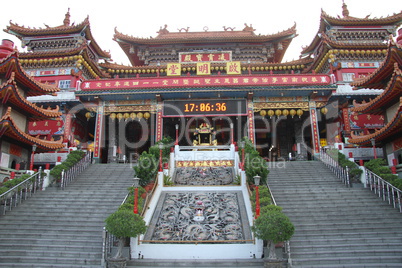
(16, 85)
(388, 104)
(234, 81)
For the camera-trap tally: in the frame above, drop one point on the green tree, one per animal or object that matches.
(147, 168)
(254, 164)
(275, 227)
(124, 223)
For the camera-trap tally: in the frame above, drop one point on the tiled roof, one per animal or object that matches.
(364, 44)
(66, 28)
(346, 20)
(378, 78)
(394, 127)
(10, 129)
(392, 91)
(11, 64)
(346, 90)
(10, 93)
(166, 37)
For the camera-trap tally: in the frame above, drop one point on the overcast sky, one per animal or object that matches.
(144, 18)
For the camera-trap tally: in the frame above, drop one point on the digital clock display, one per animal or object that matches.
(204, 107)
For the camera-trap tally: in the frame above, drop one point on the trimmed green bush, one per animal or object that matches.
(124, 223)
(275, 227)
(254, 164)
(379, 167)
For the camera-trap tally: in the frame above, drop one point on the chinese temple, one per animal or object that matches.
(16, 85)
(388, 103)
(231, 80)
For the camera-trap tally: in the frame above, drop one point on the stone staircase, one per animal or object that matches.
(63, 228)
(335, 226)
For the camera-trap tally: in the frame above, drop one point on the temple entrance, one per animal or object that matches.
(125, 139)
(281, 138)
(221, 128)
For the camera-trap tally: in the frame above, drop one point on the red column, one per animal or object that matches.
(177, 135)
(160, 161)
(393, 168)
(136, 200)
(257, 202)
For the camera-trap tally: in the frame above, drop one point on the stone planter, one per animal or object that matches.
(116, 263)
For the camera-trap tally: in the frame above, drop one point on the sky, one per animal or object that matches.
(145, 18)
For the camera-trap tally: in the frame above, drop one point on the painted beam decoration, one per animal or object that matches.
(209, 81)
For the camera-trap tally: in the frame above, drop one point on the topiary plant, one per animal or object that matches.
(275, 227)
(124, 223)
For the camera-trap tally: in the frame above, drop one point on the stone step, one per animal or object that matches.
(344, 247)
(196, 263)
(53, 241)
(39, 260)
(335, 225)
(63, 228)
(377, 261)
(340, 253)
(53, 254)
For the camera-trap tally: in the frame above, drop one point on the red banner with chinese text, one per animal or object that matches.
(210, 81)
(314, 129)
(366, 121)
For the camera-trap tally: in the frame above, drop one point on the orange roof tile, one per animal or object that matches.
(382, 74)
(346, 20)
(393, 128)
(10, 129)
(10, 93)
(11, 64)
(207, 37)
(392, 91)
(22, 31)
(166, 37)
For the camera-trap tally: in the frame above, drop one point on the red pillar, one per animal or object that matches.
(160, 161)
(393, 168)
(257, 202)
(136, 200)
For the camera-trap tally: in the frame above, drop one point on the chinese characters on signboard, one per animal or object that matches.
(269, 80)
(193, 57)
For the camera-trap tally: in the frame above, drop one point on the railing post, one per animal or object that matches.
(62, 179)
(347, 176)
(104, 234)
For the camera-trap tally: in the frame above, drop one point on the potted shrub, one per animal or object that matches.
(122, 224)
(274, 227)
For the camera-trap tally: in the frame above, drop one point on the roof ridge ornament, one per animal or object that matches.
(183, 29)
(163, 30)
(229, 28)
(66, 21)
(345, 11)
(248, 28)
